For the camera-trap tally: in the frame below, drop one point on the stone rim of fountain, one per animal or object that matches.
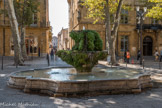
(86, 87)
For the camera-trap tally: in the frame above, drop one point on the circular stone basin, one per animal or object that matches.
(67, 82)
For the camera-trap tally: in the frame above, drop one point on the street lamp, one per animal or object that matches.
(141, 18)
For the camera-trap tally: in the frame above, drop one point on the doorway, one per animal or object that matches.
(147, 46)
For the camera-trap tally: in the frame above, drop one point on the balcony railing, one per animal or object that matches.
(140, 2)
(150, 26)
(7, 23)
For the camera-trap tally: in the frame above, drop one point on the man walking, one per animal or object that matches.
(52, 54)
(128, 56)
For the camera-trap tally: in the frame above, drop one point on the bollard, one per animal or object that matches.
(159, 65)
(16, 65)
(48, 59)
(2, 63)
(111, 64)
(126, 63)
(143, 63)
(132, 61)
(32, 55)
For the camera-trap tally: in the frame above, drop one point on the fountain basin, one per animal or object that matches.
(67, 82)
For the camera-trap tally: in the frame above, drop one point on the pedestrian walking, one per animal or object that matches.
(52, 54)
(55, 55)
(160, 55)
(156, 55)
(128, 56)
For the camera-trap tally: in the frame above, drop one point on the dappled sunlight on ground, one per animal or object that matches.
(2, 75)
(111, 102)
(152, 95)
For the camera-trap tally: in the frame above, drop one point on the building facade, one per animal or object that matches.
(128, 33)
(63, 40)
(37, 34)
(54, 42)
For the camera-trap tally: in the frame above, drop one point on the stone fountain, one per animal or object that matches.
(85, 79)
(86, 52)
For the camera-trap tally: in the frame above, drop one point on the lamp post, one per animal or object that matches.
(141, 18)
(3, 35)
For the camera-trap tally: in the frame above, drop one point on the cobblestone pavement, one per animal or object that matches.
(14, 98)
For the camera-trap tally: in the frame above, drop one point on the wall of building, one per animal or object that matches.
(128, 29)
(38, 33)
(55, 42)
(63, 39)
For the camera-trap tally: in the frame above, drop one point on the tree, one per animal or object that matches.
(26, 11)
(102, 10)
(15, 33)
(156, 9)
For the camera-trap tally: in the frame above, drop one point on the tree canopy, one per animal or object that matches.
(156, 9)
(25, 10)
(96, 8)
(102, 10)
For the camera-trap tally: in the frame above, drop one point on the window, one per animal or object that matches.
(124, 43)
(35, 19)
(111, 18)
(31, 45)
(124, 16)
(154, 21)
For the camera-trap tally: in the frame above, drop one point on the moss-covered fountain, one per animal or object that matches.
(86, 52)
(85, 78)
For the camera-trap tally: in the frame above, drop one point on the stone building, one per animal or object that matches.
(54, 42)
(128, 33)
(63, 42)
(37, 34)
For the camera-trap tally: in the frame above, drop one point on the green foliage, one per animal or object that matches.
(156, 10)
(25, 9)
(86, 40)
(82, 61)
(96, 8)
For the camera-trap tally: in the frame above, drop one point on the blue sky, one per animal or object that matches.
(58, 15)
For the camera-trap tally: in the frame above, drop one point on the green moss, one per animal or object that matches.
(82, 61)
(86, 52)
(86, 40)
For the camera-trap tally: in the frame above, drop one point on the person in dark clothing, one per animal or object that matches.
(55, 55)
(52, 54)
(31, 49)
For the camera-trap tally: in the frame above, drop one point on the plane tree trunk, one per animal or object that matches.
(23, 47)
(111, 34)
(18, 60)
(23, 32)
